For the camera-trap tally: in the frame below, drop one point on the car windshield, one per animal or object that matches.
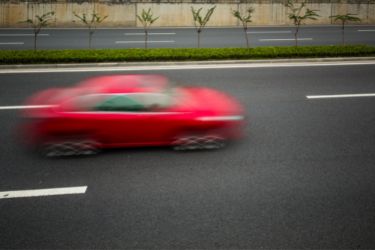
(124, 101)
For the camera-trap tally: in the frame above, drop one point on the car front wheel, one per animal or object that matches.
(195, 142)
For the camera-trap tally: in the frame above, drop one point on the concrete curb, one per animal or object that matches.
(166, 63)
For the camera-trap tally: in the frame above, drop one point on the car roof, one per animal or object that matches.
(113, 84)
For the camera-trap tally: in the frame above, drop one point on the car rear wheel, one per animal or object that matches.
(195, 142)
(70, 148)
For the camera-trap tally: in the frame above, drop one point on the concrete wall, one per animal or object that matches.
(122, 13)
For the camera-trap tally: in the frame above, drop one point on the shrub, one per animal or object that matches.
(199, 54)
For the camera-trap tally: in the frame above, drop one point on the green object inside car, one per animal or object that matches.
(119, 103)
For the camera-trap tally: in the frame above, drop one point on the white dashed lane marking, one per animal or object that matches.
(167, 41)
(270, 32)
(9, 35)
(284, 39)
(43, 192)
(340, 96)
(25, 107)
(151, 33)
(12, 43)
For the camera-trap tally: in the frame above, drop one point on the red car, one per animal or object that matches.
(129, 111)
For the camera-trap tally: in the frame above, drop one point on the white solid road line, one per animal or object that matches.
(43, 192)
(109, 68)
(120, 42)
(284, 39)
(25, 107)
(152, 33)
(339, 96)
(366, 30)
(12, 43)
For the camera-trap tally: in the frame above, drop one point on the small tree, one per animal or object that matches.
(38, 23)
(200, 22)
(343, 19)
(244, 19)
(90, 23)
(298, 16)
(147, 19)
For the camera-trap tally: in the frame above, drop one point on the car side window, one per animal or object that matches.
(122, 103)
(130, 102)
(152, 102)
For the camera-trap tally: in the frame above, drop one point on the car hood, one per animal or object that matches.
(209, 102)
(47, 99)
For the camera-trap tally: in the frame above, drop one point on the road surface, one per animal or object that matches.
(303, 177)
(185, 37)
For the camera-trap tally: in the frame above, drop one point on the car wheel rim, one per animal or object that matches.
(186, 143)
(88, 148)
(212, 142)
(51, 150)
(199, 142)
(70, 148)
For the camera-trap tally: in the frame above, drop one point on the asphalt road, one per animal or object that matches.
(185, 37)
(303, 177)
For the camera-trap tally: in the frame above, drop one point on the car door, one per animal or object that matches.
(119, 117)
(140, 119)
(127, 119)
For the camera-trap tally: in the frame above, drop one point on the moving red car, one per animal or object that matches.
(129, 111)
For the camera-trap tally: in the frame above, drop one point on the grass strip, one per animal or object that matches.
(184, 54)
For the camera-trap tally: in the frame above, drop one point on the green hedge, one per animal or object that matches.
(137, 55)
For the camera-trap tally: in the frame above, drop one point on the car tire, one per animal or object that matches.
(89, 147)
(213, 142)
(195, 142)
(70, 148)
